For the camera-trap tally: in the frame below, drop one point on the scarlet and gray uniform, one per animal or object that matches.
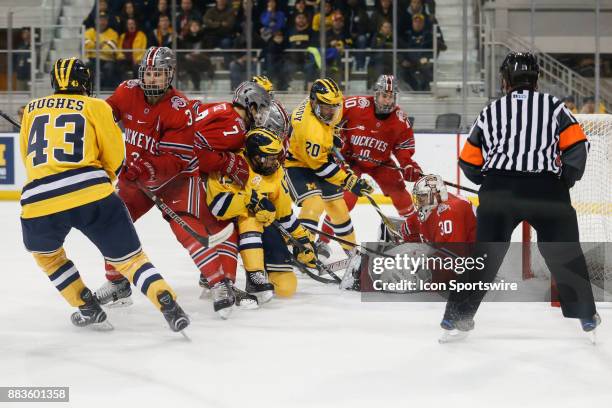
(162, 135)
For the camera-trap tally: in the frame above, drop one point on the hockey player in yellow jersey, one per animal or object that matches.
(72, 150)
(264, 199)
(316, 181)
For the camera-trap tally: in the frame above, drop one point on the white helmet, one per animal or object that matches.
(427, 193)
(157, 62)
(385, 84)
(278, 120)
(252, 96)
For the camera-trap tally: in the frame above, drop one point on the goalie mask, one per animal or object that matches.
(254, 99)
(156, 70)
(326, 100)
(385, 94)
(264, 151)
(428, 193)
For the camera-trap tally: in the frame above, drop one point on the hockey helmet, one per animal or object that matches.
(156, 70)
(264, 150)
(520, 69)
(326, 100)
(385, 88)
(254, 99)
(428, 192)
(264, 82)
(71, 75)
(278, 120)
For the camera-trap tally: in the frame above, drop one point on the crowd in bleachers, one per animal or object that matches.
(286, 31)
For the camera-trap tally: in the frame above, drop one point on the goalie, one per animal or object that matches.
(443, 218)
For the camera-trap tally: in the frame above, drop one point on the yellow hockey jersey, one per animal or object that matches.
(311, 143)
(72, 150)
(227, 200)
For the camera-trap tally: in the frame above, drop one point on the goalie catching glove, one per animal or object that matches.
(356, 185)
(262, 208)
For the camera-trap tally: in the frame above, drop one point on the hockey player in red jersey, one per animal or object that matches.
(159, 156)
(443, 217)
(374, 130)
(220, 130)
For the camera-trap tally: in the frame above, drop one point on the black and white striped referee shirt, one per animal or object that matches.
(524, 131)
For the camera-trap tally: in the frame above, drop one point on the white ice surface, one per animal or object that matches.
(322, 348)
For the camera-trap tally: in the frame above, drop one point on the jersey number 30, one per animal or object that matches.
(37, 141)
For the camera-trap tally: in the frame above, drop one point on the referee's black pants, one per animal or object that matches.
(543, 200)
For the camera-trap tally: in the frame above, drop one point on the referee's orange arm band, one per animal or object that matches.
(472, 154)
(570, 136)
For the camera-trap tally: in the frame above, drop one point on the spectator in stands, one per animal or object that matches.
(382, 62)
(184, 17)
(417, 67)
(21, 60)
(407, 13)
(129, 11)
(383, 12)
(108, 52)
(114, 21)
(299, 37)
(316, 20)
(300, 7)
(162, 9)
(271, 21)
(135, 40)
(273, 56)
(219, 24)
(338, 39)
(197, 62)
(162, 35)
(358, 26)
(570, 103)
(588, 106)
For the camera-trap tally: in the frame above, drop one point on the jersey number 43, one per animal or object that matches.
(38, 143)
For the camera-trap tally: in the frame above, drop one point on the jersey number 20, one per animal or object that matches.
(37, 142)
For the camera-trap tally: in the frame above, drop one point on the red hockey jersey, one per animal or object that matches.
(367, 136)
(452, 221)
(160, 133)
(218, 128)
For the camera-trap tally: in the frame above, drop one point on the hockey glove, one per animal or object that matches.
(140, 170)
(356, 185)
(236, 167)
(262, 208)
(305, 255)
(412, 172)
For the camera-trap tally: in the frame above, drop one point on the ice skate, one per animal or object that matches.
(223, 298)
(206, 292)
(115, 293)
(90, 314)
(175, 316)
(244, 300)
(589, 326)
(455, 330)
(257, 284)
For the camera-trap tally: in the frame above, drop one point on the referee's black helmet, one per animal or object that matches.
(520, 69)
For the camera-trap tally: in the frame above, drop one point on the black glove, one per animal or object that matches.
(357, 186)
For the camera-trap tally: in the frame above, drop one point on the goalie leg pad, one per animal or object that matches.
(285, 283)
(63, 274)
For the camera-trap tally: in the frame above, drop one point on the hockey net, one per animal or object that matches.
(592, 199)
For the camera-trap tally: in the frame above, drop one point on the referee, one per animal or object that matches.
(527, 150)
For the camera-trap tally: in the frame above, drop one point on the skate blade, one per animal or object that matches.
(225, 312)
(263, 297)
(185, 336)
(103, 326)
(248, 304)
(592, 337)
(125, 302)
(452, 336)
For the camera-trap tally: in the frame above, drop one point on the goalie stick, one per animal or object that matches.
(380, 163)
(345, 242)
(396, 236)
(320, 266)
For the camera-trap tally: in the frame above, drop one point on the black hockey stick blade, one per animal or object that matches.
(10, 120)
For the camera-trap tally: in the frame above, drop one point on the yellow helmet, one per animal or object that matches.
(264, 150)
(326, 100)
(264, 82)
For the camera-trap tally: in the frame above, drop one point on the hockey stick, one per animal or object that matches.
(345, 242)
(207, 242)
(320, 266)
(397, 237)
(390, 166)
(10, 120)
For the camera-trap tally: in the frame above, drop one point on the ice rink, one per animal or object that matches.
(322, 348)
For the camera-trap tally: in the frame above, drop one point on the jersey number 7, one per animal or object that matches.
(37, 141)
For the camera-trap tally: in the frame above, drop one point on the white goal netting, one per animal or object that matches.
(592, 199)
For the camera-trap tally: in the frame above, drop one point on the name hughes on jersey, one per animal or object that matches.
(58, 103)
(141, 140)
(369, 142)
